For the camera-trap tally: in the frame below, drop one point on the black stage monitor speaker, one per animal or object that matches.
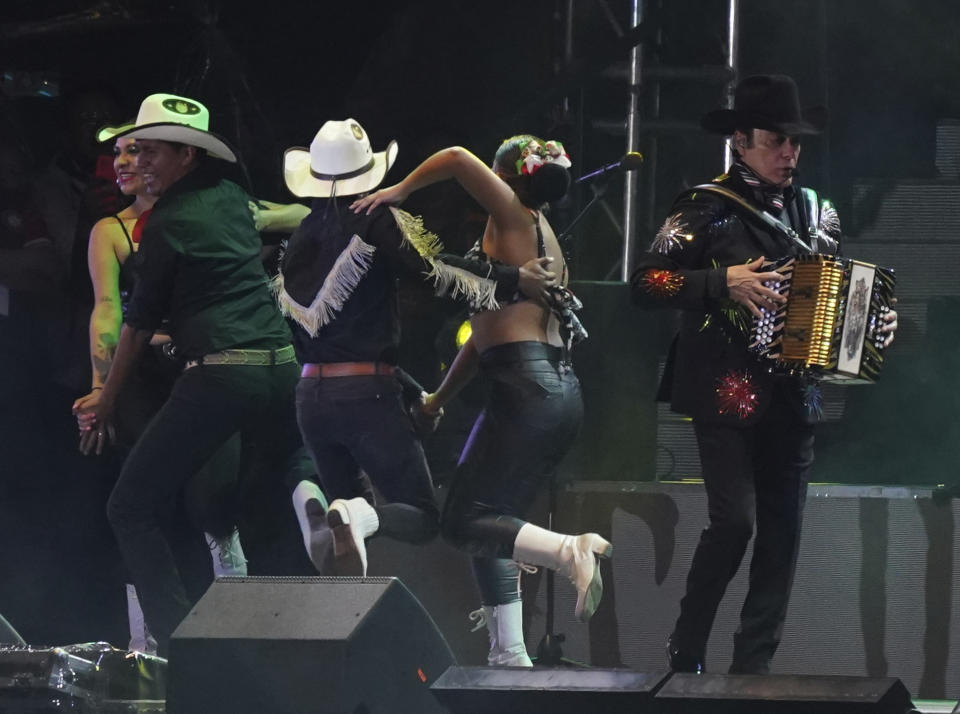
(548, 690)
(306, 646)
(782, 694)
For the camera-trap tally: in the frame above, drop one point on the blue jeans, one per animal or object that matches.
(207, 406)
(531, 418)
(351, 424)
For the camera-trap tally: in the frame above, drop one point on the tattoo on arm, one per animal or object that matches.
(103, 354)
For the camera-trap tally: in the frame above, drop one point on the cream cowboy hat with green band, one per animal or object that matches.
(167, 117)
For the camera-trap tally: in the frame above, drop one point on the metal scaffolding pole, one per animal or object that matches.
(567, 48)
(733, 42)
(633, 140)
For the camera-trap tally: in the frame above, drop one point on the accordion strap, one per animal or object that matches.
(763, 216)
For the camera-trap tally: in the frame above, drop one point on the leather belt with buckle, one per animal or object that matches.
(255, 358)
(347, 369)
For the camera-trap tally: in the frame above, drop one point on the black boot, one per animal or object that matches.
(682, 661)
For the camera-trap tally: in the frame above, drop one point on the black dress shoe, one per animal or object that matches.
(681, 661)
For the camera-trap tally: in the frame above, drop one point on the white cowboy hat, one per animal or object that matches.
(339, 162)
(167, 117)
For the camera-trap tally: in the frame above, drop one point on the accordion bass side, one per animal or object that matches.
(830, 323)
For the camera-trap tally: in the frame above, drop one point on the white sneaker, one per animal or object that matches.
(140, 638)
(227, 555)
(320, 538)
(352, 521)
(310, 505)
(504, 625)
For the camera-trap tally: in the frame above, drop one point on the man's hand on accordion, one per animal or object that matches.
(889, 326)
(749, 288)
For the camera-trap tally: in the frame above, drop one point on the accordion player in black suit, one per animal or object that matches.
(754, 424)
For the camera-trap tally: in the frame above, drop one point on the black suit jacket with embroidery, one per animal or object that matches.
(710, 374)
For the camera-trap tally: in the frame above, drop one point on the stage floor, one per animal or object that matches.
(932, 706)
(876, 593)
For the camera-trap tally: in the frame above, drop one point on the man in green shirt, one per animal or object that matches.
(199, 273)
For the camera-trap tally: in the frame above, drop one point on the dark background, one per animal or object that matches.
(431, 74)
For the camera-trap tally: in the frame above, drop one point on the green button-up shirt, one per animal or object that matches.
(199, 269)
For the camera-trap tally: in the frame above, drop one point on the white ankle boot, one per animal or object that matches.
(573, 555)
(227, 554)
(352, 521)
(505, 627)
(310, 505)
(140, 638)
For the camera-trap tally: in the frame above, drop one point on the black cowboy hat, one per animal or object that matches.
(767, 101)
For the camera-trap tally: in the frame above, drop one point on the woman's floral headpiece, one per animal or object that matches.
(533, 156)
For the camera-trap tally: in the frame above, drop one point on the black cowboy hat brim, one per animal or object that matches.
(726, 121)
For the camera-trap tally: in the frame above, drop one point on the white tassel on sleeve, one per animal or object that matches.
(448, 280)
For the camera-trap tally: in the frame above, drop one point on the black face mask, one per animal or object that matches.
(549, 183)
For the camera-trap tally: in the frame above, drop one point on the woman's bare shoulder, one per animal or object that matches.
(108, 236)
(107, 228)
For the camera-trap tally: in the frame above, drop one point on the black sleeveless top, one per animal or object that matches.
(156, 371)
(127, 277)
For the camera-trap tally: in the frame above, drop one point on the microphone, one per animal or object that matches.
(631, 161)
(794, 172)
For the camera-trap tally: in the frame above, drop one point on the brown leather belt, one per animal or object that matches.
(347, 369)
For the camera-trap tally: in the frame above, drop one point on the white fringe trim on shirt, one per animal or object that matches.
(347, 272)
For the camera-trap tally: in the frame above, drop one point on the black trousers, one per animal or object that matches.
(531, 418)
(351, 424)
(207, 406)
(211, 497)
(753, 476)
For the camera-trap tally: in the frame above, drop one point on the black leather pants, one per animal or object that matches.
(532, 415)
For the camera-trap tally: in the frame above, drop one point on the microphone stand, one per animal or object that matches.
(550, 650)
(598, 178)
(598, 188)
